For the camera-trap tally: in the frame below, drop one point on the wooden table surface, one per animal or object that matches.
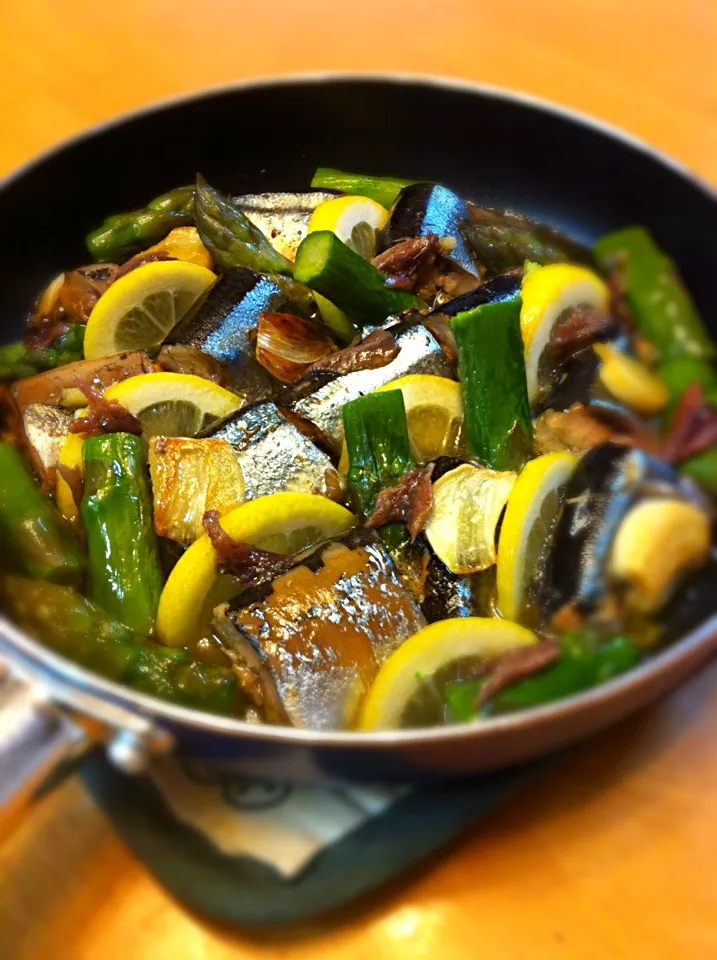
(613, 855)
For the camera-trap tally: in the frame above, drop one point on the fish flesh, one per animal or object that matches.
(224, 326)
(321, 400)
(276, 457)
(308, 644)
(283, 218)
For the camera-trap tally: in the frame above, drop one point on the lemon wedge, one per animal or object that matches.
(345, 217)
(429, 651)
(281, 522)
(630, 381)
(530, 515)
(355, 221)
(174, 404)
(70, 457)
(547, 292)
(467, 504)
(434, 414)
(138, 311)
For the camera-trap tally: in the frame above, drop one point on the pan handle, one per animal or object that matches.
(46, 730)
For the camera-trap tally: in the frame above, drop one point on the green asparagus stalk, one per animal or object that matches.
(681, 372)
(230, 236)
(125, 233)
(377, 443)
(383, 190)
(18, 361)
(664, 311)
(329, 267)
(37, 539)
(582, 664)
(703, 469)
(125, 576)
(491, 367)
(78, 629)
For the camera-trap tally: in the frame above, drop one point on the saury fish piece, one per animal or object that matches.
(308, 644)
(282, 217)
(276, 457)
(224, 326)
(322, 405)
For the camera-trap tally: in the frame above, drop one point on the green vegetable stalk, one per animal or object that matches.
(383, 190)
(78, 629)
(123, 234)
(664, 311)
(125, 576)
(18, 361)
(37, 539)
(377, 444)
(491, 367)
(583, 663)
(703, 469)
(335, 271)
(681, 372)
(230, 236)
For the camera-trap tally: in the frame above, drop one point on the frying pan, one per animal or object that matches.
(492, 146)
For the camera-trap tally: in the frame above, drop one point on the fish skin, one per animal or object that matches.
(276, 457)
(45, 428)
(419, 353)
(318, 634)
(283, 218)
(224, 327)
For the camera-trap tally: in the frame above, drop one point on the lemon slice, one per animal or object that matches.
(546, 293)
(138, 311)
(434, 414)
(530, 515)
(174, 404)
(346, 216)
(70, 457)
(427, 652)
(282, 523)
(630, 381)
(467, 504)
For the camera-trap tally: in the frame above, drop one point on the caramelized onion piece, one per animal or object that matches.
(287, 346)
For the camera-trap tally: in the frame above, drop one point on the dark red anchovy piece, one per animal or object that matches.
(248, 564)
(104, 416)
(517, 665)
(409, 502)
(694, 429)
(582, 327)
(377, 350)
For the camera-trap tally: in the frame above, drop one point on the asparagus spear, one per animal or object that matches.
(582, 664)
(328, 266)
(383, 190)
(664, 311)
(124, 571)
(77, 628)
(703, 469)
(18, 361)
(231, 238)
(40, 542)
(126, 233)
(491, 366)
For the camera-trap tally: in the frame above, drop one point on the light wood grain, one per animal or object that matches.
(613, 854)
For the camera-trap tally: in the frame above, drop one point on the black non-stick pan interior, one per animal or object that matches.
(271, 137)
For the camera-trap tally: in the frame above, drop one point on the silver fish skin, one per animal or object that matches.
(315, 637)
(46, 428)
(275, 457)
(419, 353)
(224, 326)
(283, 218)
